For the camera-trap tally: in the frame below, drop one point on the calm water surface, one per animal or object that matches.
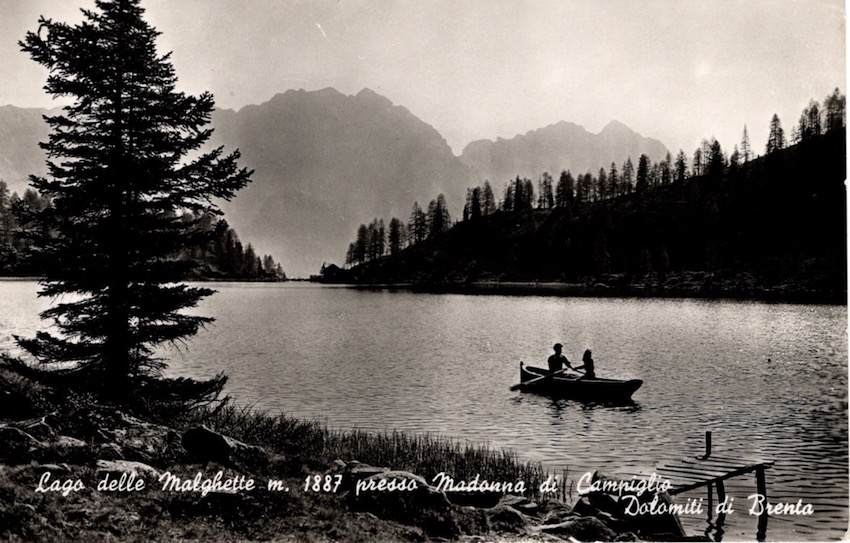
(769, 380)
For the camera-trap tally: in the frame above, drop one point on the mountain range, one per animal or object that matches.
(325, 162)
(558, 147)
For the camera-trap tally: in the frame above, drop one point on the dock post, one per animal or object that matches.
(710, 500)
(707, 444)
(721, 491)
(761, 489)
(721, 517)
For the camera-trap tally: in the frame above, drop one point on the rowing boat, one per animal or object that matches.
(577, 387)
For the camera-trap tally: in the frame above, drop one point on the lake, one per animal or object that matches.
(769, 380)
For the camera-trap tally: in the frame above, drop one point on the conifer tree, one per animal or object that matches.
(580, 189)
(628, 176)
(746, 148)
(834, 111)
(546, 199)
(655, 175)
(614, 181)
(489, 201)
(813, 121)
(696, 168)
(268, 265)
(735, 158)
(642, 174)
(361, 245)
(666, 173)
(249, 263)
(5, 216)
(350, 258)
(715, 160)
(376, 239)
(439, 219)
(776, 138)
(565, 189)
(681, 167)
(121, 173)
(475, 203)
(602, 184)
(417, 227)
(586, 183)
(396, 236)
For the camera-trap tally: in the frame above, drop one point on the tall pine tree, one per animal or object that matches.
(776, 138)
(120, 177)
(746, 148)
(642, 174)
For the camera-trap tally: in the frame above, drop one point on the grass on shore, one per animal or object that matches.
(422, 454)
(308, 445)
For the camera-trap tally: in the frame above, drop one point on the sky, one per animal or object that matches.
(674, 70)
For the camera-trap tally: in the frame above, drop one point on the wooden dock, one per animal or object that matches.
(711, 471)
(698, 472)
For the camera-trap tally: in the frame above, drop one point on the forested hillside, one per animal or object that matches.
(774, 226)
(221, 256)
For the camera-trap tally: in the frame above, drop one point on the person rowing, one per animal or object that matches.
(557, 362)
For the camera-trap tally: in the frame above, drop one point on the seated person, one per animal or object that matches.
(587, 366)
(557, 361)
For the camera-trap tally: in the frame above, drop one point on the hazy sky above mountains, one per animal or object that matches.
(676, 71)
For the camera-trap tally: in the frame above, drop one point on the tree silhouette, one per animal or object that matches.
(628, 176)
(376, 239)
(417, 227)
(249, 263)
(121, 174)
(587, 184)
(746, 148)
(813, 121)
(696, 166)
(613, 181)
(776, 137)
(565, 189)
(834, 111)
(519, 195)
(269, 265)
(581, 189)
(642, 182)
(546, 199)
(716, 162)
(809, 125)
(681, 166)
(5, 216)
(489, 201)
(361, 245)
(439, 219)
(396, 236)
(735, 159)
(473, 208)
(666, 174)
(602, 184)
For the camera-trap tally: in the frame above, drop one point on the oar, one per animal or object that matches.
(537, 379)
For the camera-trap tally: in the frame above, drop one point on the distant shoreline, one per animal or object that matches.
(554, 288)
(191, 280)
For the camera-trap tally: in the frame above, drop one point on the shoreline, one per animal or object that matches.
(558, 288)
(579, 290)
(36, 278)
(80, 469)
